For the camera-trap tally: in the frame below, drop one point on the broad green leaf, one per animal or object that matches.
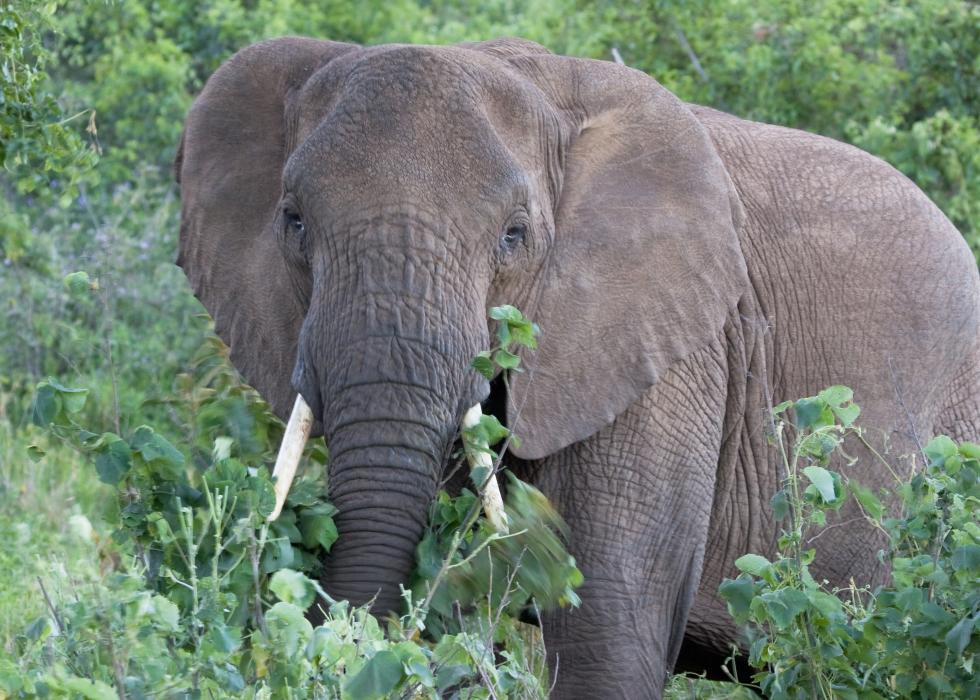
(738, 593)
(159, 528)
(506, 313)
(46, 405)
(318, 527)
(958, 638)
(157, 451)
(483, 364)
(72, 398)
(166, 616)
(506, 359)
(753, 564)
(224, 639)
(966, 557)
(970, 450)
(813, 413)
(847, 414)
(784, 605)
(289, 628)
(824, 481)
(113, 458)
(378, 677)
(780, 504)
(278, 554)
(39, 629)
(867, 499)
(489, 431)
(939, 449)
(525, 335)
(293, 587)
(836, 395)
(828, 605)
(88, 689)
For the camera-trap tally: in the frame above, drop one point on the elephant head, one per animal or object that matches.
(350, 214)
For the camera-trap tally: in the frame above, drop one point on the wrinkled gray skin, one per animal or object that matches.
(350, 214)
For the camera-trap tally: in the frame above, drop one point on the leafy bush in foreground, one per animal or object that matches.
(212, 600)
(916, 637)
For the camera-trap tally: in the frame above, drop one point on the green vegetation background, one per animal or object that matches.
(87, 141)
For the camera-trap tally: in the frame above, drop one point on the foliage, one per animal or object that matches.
(188, 609)
(916, 636)
(37, 145)
(93, 98)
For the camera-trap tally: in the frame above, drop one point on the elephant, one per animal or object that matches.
(350, 214)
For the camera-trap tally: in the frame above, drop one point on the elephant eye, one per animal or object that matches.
(513, 236)
(294, 224)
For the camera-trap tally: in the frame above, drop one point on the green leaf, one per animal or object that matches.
(293, 587)
(781, 408)
(836, 395)
(289, 628)
(156, 451)
(160, 529)
(939, 449)
(824, 481)
(966, 557)
(506, 359)
(738, 593)
(872, 506)
(525, 335)
(46, 405)
(958, 638)
(379, 676)
(483, 364)
(813, 413)
(780, 504)
(970, 450)
(506, 313)
(487, 433)
(166, 616)
(224, 639)
(278, 554)
(78, 283)
(318, 527)
(784, 605)
(35, 453)
(113, 458)
(753, 564)
(72, 398)
(39, 629)
(88, 689)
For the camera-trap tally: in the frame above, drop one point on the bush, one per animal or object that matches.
(915, 637)
(208, 598)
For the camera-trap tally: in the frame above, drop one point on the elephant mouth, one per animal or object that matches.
(301, 422)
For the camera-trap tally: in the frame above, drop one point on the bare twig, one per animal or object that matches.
(692, 57)
(616, 57)
(54, 612)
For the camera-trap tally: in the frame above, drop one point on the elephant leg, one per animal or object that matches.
(637, 497)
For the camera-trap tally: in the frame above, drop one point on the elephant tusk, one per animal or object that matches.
(293, 441)
(493, 502)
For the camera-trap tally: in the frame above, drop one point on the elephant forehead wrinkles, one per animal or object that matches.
(416, 123)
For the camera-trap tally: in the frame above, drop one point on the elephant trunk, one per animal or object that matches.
(389, 379)
(386, 457)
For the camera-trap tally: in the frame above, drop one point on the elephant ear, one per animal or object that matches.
(229, 165)
(645, 265)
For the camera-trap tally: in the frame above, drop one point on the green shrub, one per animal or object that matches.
(917, 636)
(210, 599)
